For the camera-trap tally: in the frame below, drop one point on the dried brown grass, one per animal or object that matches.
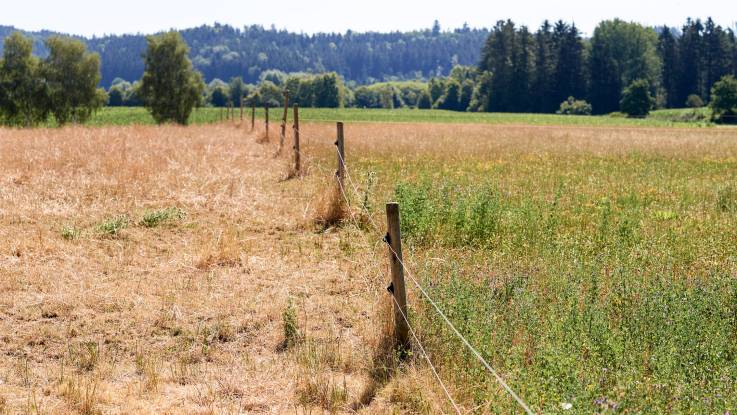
(186, 316)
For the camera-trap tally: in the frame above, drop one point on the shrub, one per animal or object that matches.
(573, 106)
(694, 101)
(636, 99)
(724, 100)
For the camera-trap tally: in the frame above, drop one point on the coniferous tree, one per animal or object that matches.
(715, 56)
(498, 57)
(668, 52)
(522, 70)
(542, 94)
(689, 47)
(568, 79)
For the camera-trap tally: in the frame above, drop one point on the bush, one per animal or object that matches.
(573, 106)
(724, 100)
(694, 101)
(636, 99)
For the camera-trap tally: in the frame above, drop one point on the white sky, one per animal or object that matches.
(88, 17)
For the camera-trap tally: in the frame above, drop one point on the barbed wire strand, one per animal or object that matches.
(427, 358)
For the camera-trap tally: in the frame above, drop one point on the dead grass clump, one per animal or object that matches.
(323, 391)
(223, 251)
(81, 394)
(148, 368)
(331, 209)
(85, 356)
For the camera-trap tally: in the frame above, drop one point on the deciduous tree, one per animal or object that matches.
(170, 87)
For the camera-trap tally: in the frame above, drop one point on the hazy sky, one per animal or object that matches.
(87, 17)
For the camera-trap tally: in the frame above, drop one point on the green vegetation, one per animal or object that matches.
(636, 99)
(661, 118)
(71, 75)
(724, 100)
(157, 217)
(573, 106)
(64, 84)
(113, 226)
(606, 282)
(170, 88)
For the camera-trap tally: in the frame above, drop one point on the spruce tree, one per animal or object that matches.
(668, 52)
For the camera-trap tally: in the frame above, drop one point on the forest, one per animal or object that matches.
(222, 51)
(623, 66)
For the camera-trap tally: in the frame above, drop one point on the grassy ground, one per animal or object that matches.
(169, 269)
(594, 267)
(664, 118)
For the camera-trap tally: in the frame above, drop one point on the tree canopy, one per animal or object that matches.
(170, 87)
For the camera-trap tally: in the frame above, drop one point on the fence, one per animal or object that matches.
(403, 330)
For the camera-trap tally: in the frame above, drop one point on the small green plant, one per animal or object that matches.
(292, 336)
(70, 233)
(155, 218)
(370, 182)
(113, 226)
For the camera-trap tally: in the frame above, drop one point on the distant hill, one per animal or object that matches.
(222, 51)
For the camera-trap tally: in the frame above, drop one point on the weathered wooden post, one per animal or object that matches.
(221, 114)
(231, 112)
(297, 160)
(341, 157)
(284, 121)
(266, 109)
(241, 108)
(397, 287)
(253, 116)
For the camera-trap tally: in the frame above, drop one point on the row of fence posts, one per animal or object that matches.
(393, 237)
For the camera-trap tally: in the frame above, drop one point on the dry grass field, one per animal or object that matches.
(172, 269)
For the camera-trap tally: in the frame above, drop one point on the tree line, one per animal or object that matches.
(623, 66)
(536, 72)
(63, 85)
(222, 51)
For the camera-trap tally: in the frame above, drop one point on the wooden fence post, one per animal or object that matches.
(253, 116)
(231, 113)
(266, 109)
(241, 107)
(297, 160)
(397, 287)
(284, 121)
(221, 114)
(341, 156)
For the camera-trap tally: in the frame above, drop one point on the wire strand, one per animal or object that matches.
(483, 361)
(427, 358)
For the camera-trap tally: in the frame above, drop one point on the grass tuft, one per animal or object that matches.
(113, 226)
(157, 217)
